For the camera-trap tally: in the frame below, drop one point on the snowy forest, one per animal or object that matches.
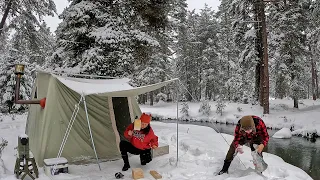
(216, 55)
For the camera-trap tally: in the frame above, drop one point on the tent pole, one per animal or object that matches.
(177, 91)
(94, 147)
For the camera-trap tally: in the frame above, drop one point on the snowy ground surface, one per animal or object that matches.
(201, 155)
(304, 120)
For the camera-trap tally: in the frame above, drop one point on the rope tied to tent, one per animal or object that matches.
(66, 135)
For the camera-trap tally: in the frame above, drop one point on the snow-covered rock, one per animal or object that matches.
(284, 133)
(305, 132)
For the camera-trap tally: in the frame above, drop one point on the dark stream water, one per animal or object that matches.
(297, 151)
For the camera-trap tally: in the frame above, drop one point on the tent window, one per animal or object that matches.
(121, 114)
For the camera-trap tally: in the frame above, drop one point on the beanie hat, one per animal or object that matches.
(145, 118)
(247, 122)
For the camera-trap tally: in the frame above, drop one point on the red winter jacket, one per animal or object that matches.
(261, 131)
(140, 140)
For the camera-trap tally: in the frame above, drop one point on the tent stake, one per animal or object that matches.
(94, 147)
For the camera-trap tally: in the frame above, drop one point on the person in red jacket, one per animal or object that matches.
(140, 143)
(250, 129)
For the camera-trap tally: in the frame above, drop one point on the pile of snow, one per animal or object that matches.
(284, 133)
(201, 155)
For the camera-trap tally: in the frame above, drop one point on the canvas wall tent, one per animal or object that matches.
(111, 106)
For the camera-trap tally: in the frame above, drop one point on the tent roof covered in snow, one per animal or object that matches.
(110, 105)
(109, 87)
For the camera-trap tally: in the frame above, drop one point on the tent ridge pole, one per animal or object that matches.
(94, 147)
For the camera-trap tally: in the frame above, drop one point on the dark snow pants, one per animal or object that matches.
(126, 147)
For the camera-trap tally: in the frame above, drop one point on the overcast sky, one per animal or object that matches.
(192, 4)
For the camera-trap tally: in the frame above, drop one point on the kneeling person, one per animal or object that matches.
(140, 143)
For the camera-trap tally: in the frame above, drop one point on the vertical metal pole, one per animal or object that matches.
(177, 91)
(94, 147)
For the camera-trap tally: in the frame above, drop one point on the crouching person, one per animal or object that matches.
(252, 130)
(141, 142)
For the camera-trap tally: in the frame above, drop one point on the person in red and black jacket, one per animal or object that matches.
(140, 143)
(252, 130)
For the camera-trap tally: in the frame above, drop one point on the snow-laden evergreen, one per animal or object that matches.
(103, 38)
(290, 54)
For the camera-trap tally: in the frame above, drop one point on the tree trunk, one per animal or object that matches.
(144, 98)
(140, 99)
(313, 77)
(265, 67)
(198, 92)
(316, 79)
(295, 102)
(188, 83)
(229, 93)
(151, 98)
(257, 82)
(258, 45)
(261, 89)
(5, 16)
(295, 93)
(313, 74)
(308, 95)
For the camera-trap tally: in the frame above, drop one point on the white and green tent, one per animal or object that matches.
(83, 119)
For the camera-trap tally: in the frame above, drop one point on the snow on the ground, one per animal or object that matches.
(282, 114)
(201, 155)
(11, 127)
(284, 133)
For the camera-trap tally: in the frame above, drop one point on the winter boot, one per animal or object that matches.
(126, 163)
(148, 156)
(225, 167)
(143, 159)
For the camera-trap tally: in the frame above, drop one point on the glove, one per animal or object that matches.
(239, 149)
(260, 148)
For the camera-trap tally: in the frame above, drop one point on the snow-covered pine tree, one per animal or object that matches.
(152, 72)
(194, 55)
(106, 38)
(92, 39)
(228, 53)
(210, 68)
(19, 52)
(32, 11)
(154, 65)
(4, 46)
(189, 54)
(313, 41)
(3, 60)
(288, 36)
(184, 109)
(205, 108)
(238, 27)
(28, 45)
(220, 106)
(181, 46)
(45, 44)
